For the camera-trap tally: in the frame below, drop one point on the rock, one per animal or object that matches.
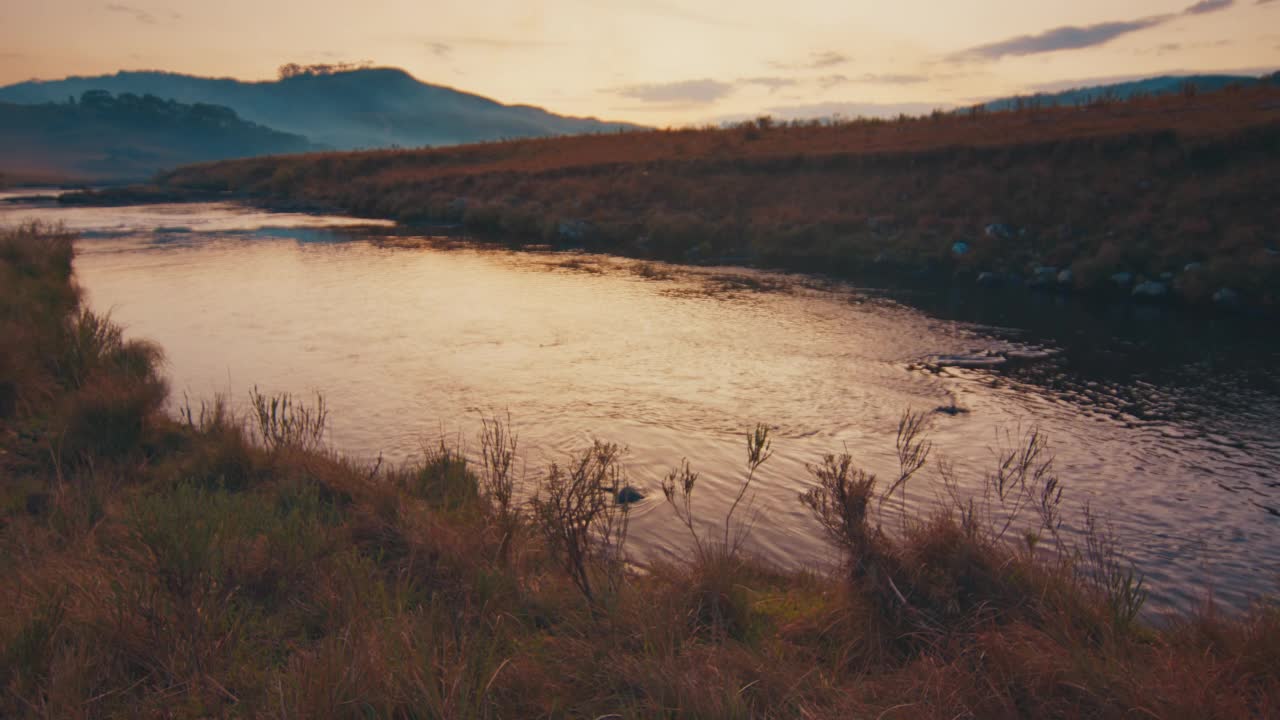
(998, 231)
(1066, 277)
(1150, 290)
(1122, 279)
(1226, 297)
(573, 229)
(628, 495)
(960, 249)
(1043, 276)
(980, 359)
(1192, 267)
(990, 279)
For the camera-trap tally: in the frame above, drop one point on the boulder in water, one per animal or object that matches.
(990, 279)
(628, 495)
(998, 231)
(1226, 297)
(1150, 290)
(1043, 276)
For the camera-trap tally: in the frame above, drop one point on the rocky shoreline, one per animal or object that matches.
(1167, 289)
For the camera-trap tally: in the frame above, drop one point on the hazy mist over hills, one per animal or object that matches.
(358, 108)
(98, 135)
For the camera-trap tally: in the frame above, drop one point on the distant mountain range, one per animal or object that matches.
(131, 124)
(1163, 85)
(98, 135)
(344, 109)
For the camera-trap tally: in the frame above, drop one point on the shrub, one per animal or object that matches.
(498, 444)
(444, 479)
(284, 422)
(577, 512)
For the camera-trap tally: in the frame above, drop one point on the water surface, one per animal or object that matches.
(1166, 424)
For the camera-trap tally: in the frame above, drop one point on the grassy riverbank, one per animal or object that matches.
(213, 565)
(1180, 191)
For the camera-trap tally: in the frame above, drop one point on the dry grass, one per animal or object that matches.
(195, 567)
(1148, 187)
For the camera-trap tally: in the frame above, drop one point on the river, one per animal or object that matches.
(1167, 425)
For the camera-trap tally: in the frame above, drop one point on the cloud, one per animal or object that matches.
(893, 79)
(774, 84)
(142, 15)
(830, 81)
(828, 59)
(138, 14)
(1208, 6)
(816, 61)
(445, 45)
(1069, 37)
(678, 94)
(1076, 37)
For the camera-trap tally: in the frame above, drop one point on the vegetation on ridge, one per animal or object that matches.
(128, 136)
(1178, 190)
(337, 106)
(211, 564)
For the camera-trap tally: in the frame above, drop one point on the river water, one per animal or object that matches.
(1166, 425)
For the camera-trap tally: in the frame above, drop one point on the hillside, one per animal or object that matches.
(128, 136)
(362, 108)
(1179, 194)
(1154, 86)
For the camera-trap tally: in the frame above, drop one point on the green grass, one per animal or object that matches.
(210, 565)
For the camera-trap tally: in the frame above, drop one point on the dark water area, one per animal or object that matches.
(1166, 423)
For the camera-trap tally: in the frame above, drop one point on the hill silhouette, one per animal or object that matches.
(1174, 194)
(1152, 86)
(129, 136)
(343, 109)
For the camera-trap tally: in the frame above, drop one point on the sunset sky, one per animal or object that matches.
(667, 61)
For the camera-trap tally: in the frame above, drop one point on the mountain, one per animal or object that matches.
(344, 109)
(129, 136)
(1163, 85)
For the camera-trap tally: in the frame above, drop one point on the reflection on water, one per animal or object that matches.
(1169, 431)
